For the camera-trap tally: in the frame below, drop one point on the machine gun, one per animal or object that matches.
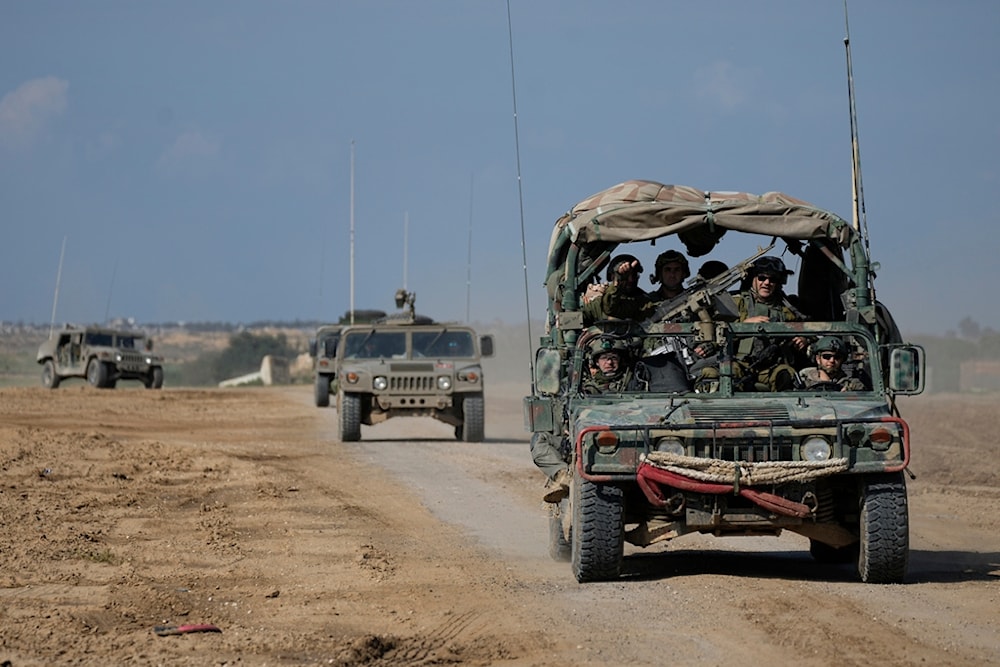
(706, 301)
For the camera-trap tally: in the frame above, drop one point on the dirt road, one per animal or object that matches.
(130, 509)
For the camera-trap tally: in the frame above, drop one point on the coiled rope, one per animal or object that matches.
(745, 473)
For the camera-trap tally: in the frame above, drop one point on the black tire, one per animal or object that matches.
(885, 531)
(97, 373)
(322, 391)
(560, 548)
(50, 379)
(824, 553)
(598, 533)
(157, 377)
(349, 417)
(473, 418)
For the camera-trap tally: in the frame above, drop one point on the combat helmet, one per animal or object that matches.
(666, 257)
(770, 265)
(830, 344)
(603, 344)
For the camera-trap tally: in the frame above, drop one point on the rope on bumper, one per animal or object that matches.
(745, 473)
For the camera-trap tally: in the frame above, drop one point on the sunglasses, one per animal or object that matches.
(827, 356)
(764, 278)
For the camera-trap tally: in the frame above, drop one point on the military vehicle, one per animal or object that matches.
(101, 355)
(323, 349)
(667, 456)
(408, 365)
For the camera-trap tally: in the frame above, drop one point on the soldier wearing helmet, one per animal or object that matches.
(830, 353)
(622, 295)
(671, 270)
(610, 366)
(763, 299)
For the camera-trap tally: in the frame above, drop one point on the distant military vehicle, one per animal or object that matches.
(323, 349)
(668, 455)
(101, 355)
(409, 365)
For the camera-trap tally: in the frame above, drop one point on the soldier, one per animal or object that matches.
(610, 367)
(622, 289)
(671, 270)
(830, 353)
(762, 363)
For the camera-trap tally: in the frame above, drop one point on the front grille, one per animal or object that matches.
(411, 383)
(730, 449)
(132, 361)
(727, 413)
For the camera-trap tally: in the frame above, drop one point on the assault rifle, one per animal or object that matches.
(706, 301)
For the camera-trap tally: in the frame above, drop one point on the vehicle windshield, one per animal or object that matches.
(375, 345)
(442, 343)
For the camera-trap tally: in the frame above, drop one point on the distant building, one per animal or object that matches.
(980, 375)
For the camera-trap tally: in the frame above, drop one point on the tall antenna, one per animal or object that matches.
(111, 288)
(352, 231)
(860, 220)
(857, 188)
(55, 298)
(520, 197)
(406, 243)
(468, 263)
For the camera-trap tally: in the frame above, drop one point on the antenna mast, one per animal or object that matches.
(468, 263)
(55, 298)
(860, 220)
(520, 198)
(352, 231)
(406, 243)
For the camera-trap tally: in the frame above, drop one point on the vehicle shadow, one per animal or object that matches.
(924, 566)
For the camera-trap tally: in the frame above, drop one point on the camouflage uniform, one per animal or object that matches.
(849, 381)
(810, 376)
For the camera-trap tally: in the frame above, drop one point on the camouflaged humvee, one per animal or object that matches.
(101, 355)
(406, 365)
(668, 455)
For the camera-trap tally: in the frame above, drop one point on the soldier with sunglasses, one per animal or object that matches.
(830, 354)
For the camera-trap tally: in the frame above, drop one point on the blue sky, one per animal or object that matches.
(196, 156)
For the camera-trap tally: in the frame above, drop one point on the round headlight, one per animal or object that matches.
(671, 445)
(815, 448)
(444, 382)
(380, 383)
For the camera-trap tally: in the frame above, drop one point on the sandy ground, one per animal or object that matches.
(129, 509)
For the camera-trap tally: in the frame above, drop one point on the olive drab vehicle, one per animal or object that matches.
(323, 349)
(407, 365)
(101, 355)
(669, 454)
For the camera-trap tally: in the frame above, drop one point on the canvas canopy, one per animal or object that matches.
(640, 210)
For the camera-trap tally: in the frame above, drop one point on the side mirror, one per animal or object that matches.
(906, 369)
(312, 347)
(548, 365)
(486, 345)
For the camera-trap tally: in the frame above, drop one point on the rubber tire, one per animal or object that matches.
(473, 418)
(50, 379)
(824, 553)
(322, 391)
(560, 548)
(97, 374)
(885, 531)
(157, 377)
(598, 533)
(349, 417)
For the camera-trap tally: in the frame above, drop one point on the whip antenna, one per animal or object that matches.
(857, 187)
(520, 197)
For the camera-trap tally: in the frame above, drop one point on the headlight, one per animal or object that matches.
(118, 358)
(444, 382)
(815, 448)
(380, 383)
(671, 445)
